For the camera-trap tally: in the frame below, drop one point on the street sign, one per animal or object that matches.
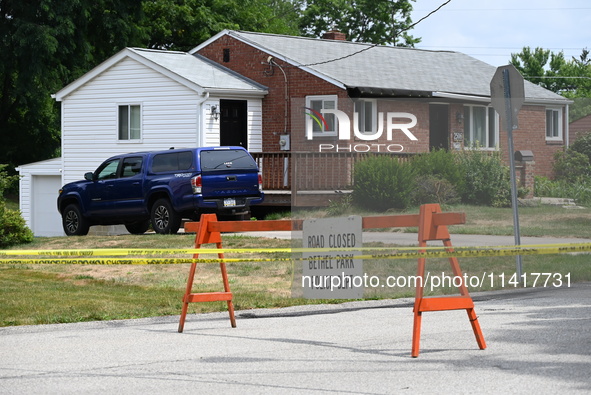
(507, 93)
(330, 273)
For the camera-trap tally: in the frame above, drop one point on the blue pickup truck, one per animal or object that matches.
(161, 188)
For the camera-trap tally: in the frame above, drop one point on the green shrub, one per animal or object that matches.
(6, 182)
(431, 189)
(13, 230)
(582, 145)
(442, 165)
(487, 181)
(571, 166)
(381, 183)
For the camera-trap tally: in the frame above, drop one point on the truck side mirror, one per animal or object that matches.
(89, 176)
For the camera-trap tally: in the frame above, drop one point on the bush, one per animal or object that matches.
(431, 189)
(13, 230)
(582, 145)
(486, 180)
(381, 183)
(571, 166)
(6, 182)
(442, 165)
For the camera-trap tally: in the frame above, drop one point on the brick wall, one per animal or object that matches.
(531, 135)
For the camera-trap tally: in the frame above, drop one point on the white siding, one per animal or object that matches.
(30, 174)
(255, 125)
(89, 116)
(211, 135)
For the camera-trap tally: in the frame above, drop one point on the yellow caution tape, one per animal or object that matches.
(90, 257)
(475, 251)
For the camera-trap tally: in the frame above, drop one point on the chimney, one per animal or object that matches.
(334, 35)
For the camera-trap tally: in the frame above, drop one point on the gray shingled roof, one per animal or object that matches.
(199, 70)
(386, 67)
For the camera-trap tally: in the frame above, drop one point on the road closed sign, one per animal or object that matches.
(332, 272)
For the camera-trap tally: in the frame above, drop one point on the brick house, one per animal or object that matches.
(448, 92)
(580, 127)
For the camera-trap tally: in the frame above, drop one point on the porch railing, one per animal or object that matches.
(312, 171)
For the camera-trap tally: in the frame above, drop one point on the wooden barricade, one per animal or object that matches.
(432, 224)
(209, 231)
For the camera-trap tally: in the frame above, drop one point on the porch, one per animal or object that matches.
(302, 179)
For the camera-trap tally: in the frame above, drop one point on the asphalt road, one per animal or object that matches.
(539, 341)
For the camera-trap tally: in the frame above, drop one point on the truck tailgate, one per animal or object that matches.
(225, 184)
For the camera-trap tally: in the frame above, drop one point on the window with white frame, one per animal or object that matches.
(481, 128)
(321, 124)
(553, 124)
(129, 122)
(366, 115)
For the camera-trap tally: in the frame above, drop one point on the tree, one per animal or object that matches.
(569, 78)
(183, 24)
(44, 45)
(374, 21)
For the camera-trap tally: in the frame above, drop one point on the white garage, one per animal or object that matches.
(39, 186)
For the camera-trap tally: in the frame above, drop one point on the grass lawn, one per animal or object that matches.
(40, 294)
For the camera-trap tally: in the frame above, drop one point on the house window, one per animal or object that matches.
(481, 127)
(129, 122)
(366, 115)
(321, 124)
(553, 124)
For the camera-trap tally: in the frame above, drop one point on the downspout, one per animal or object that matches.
(200, 118)
(566, 127)
(285, 119)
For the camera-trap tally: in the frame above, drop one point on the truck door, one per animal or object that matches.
(98, 191)
(126, 193)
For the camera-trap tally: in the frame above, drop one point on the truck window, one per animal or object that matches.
(131, 166)
(173, 161)
(226, 159)
(108, 170)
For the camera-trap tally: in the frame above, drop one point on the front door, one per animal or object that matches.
(233, 125)
(438, 126)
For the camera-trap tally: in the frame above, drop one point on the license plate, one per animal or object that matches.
(230, 202)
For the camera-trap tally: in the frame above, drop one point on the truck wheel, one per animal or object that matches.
(73, 222)
(138, 228)
(164, 219)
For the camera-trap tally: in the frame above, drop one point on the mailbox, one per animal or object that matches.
(524, 156)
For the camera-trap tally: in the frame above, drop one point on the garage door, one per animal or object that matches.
(45, 218)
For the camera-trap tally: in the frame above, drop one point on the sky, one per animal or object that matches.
(490, 30)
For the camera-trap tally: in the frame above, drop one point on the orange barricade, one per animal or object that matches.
(209, 231)
(432, 224)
